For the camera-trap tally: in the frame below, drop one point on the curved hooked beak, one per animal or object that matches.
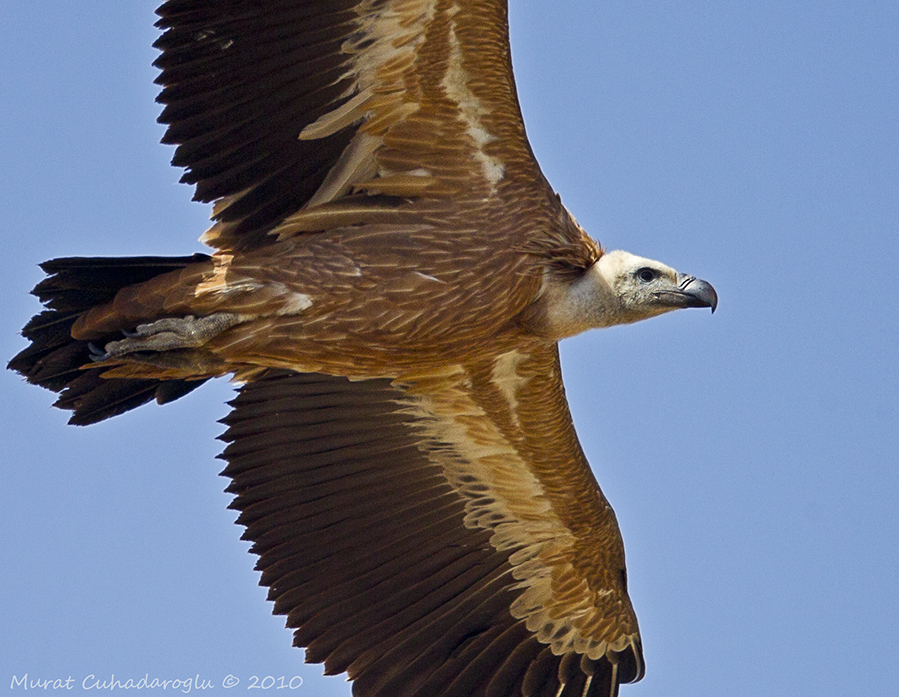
(690, 292)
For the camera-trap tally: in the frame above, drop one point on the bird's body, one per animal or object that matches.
(391, 275)
(363, 300)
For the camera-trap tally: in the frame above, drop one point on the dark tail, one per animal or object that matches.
(57, 361)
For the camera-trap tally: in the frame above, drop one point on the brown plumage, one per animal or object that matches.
(391, 276)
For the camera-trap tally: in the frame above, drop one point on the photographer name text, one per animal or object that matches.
(93, 682)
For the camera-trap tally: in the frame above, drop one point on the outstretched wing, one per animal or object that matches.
(439, 536)
(349, 105)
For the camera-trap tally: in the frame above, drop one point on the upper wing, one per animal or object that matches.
(441, 536)
(285, 105)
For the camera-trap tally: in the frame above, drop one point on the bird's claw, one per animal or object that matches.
(97, 353)
(167, 334)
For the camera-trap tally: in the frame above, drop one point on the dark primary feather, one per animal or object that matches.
(240, 82)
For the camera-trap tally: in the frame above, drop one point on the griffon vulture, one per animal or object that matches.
(390, 277)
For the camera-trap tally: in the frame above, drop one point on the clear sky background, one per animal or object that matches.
(751, 456)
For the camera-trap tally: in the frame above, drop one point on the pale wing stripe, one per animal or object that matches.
(504, 496)
(470, 109)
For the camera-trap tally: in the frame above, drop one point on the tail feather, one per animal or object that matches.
(60, 363)
(93, 398)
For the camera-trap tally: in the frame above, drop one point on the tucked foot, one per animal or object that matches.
(168, 334)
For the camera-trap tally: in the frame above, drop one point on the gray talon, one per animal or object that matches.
(96, 353)
(168, 334)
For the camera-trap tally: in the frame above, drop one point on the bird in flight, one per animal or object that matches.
(391, 275)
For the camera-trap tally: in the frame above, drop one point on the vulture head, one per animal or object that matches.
(620, 288)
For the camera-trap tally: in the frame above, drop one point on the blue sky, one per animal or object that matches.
(751, 456)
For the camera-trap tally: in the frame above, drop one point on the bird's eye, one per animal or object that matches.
(646, 275)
